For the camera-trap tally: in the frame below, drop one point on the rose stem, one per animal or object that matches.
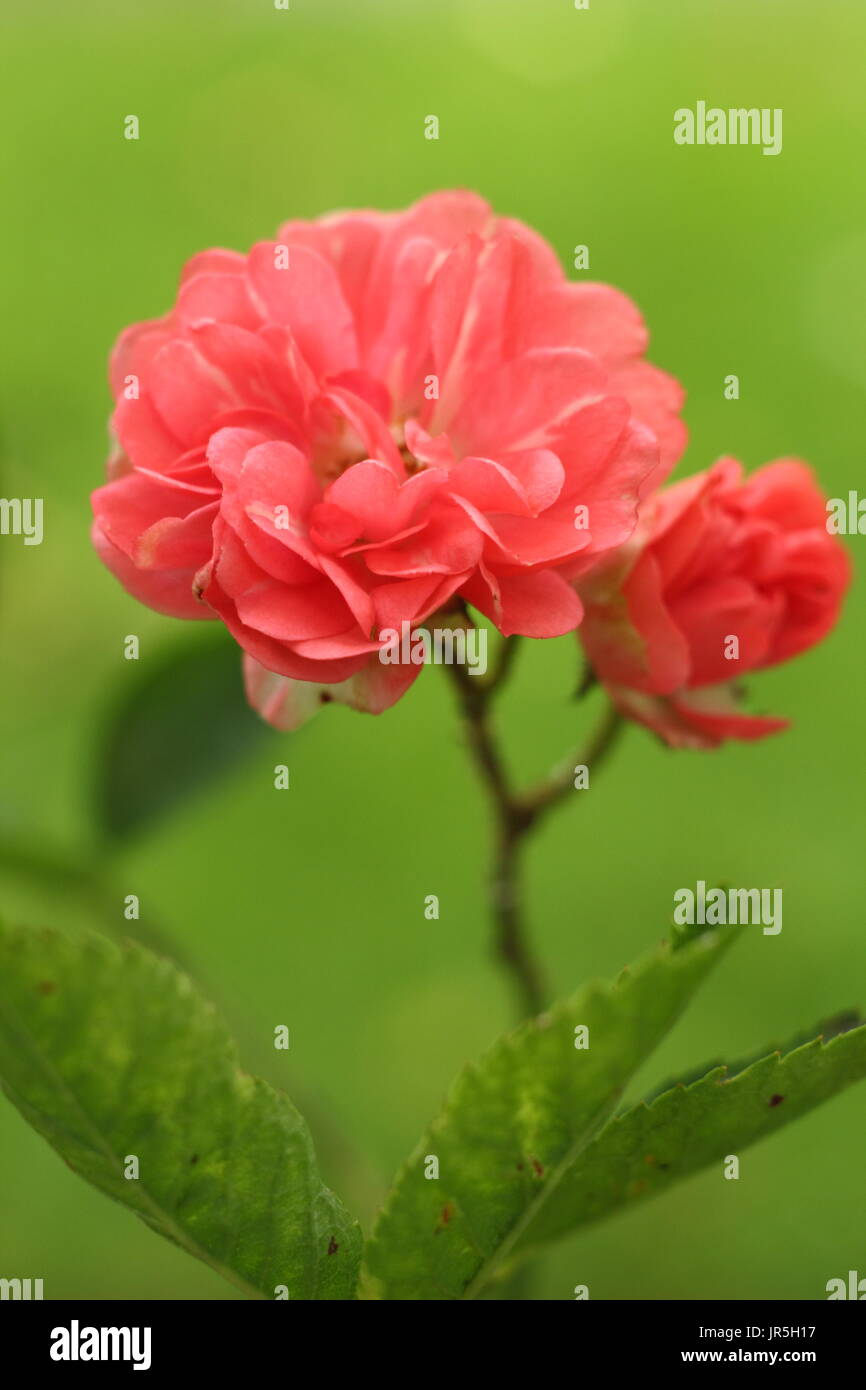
(516, 813)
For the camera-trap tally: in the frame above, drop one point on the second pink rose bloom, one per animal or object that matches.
(723, 577)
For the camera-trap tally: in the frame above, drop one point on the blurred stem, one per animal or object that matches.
(81, 875)
(55, 867)
(516, 813)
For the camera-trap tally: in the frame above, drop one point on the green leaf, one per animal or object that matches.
(516, 1122)
(648, 1148)
(181, 720)
(109, 1052)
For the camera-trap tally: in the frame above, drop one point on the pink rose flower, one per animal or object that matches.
(342, 430)
(716, 557)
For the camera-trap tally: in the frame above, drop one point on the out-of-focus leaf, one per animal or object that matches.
(181, 720)
(111, 1054)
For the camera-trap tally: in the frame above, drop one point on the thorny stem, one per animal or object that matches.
(517, 813)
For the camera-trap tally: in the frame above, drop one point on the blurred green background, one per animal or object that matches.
(306, 907)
